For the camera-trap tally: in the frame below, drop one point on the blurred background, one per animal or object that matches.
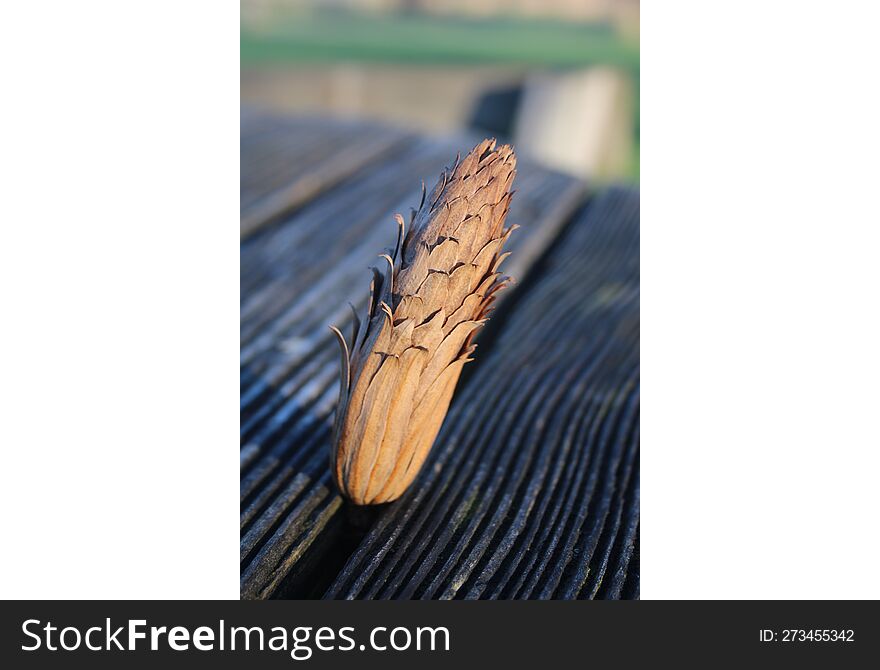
(559, 78)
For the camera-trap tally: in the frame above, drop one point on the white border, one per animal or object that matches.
(119, 271)
(760, 280)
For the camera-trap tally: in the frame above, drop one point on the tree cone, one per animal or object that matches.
(428, 299)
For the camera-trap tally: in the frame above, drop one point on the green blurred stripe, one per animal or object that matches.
(393, 38)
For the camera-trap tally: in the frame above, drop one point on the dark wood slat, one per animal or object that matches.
(296, 279)
(287, 162)
(532, 488)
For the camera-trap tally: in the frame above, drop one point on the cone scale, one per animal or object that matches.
(429, 297)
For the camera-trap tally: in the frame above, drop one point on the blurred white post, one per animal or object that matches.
(577, 121)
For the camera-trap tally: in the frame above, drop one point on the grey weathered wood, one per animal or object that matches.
(297, 276)
(532, 490)
(287, 162)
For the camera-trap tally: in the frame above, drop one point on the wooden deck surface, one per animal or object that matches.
(531, 490)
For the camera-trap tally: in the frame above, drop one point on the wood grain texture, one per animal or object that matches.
(285, 162)
(297, 275)
(532, 490)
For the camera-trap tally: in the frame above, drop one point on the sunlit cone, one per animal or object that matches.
(428, 299)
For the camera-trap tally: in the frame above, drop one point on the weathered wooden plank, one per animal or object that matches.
(531, 490)
(287, 162)
(296, 279)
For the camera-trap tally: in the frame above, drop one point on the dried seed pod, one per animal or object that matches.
(428, 299)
